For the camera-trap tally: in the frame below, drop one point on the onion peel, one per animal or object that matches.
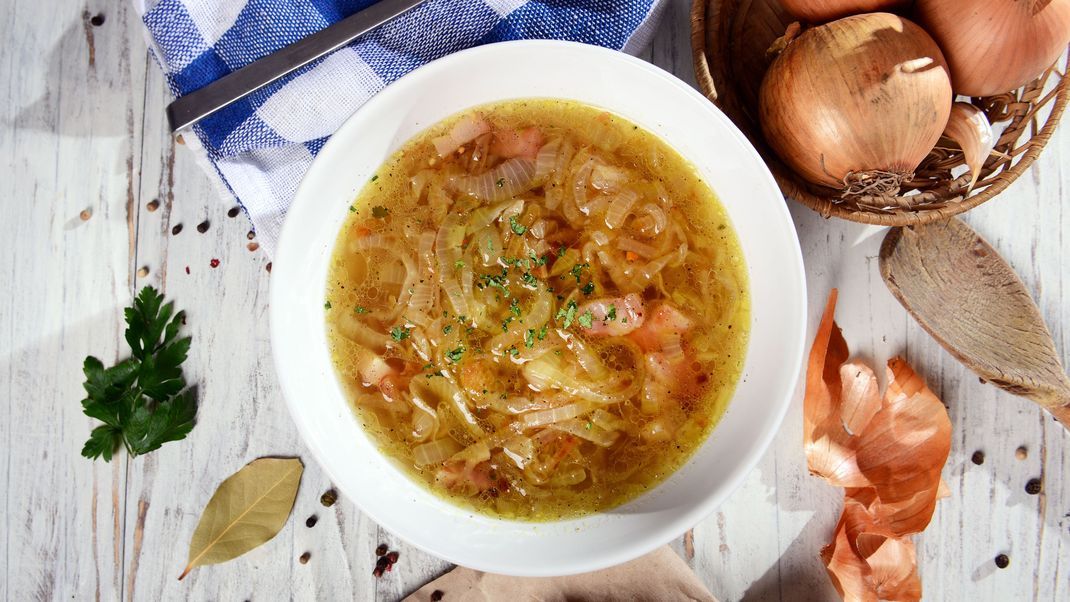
(887, 451)
(969, 127)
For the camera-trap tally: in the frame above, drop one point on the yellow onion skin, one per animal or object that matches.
(995, 46)
(820, 11)
(863, 95)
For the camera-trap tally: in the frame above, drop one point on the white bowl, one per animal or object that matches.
(656, 101)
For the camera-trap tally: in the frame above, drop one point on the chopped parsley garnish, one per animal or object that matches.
(542, 332)
(400, 334)
(577, 270)
(529, 338)
(360, 309)
(375, 177)
(447, 328)
(588, 288)
(379, 212)
(513, 351)
(455, 355)
(352, 209)
(428, 366)
(568, 313)
(490, 244)
(586, 320)
(537, 261)
(514, 307)
(459, 264)
(497, 281)
(561, 250)
(326, 305)
(518, 228)
(612, 313)
(588, 425)
(505, 323)
(501, 182)
(529, 280)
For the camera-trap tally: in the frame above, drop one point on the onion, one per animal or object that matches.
(544, 417)
(470, 127)
(503, 182)
(970, 129)
(620, 207)
(819, 11)
(994, 46)
(857, 104)
(434, 452)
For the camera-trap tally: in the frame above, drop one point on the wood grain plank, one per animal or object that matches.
(70, 93)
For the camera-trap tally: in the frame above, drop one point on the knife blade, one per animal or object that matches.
(191, 108)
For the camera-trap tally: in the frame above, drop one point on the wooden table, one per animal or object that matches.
(82, 128)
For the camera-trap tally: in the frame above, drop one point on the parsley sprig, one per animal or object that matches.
(142, 401)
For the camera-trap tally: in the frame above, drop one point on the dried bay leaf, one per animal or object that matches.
(248, 509)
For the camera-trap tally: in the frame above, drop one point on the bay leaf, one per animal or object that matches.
(247, 510)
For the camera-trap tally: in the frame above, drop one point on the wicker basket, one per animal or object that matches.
(729, 39)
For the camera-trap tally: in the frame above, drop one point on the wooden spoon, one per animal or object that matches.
(970, 300)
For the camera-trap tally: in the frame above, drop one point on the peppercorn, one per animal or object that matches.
(176, 229)
(202, 227)
(214, 263)
(304, 558)
(153, 205)
(85, 214)
(392, 557)
(436, 595)
(233, 212)
(1033, 487)
(978, 457)
(381, 550)
(1021, 453)
(330, 496)
(311, 521)
(1002, 561)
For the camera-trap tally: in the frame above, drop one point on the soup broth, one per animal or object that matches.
(537, 309)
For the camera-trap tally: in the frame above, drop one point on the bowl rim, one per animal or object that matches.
(680, 522)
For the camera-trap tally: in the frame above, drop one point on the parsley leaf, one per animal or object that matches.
(588, 288)
(529, 338)
(140, 399)
(529, 280)
(500, 182)
(360, 309)
(379, 212)
(518, 228)
(326, 305)
(577, 270)
(447, 328)
(612, 313)
(542, 332)
(514, 307)
(455, 355)
(587, 319)
(568, 313)
(400, 334)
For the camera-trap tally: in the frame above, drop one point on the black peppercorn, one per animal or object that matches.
(1002, 561)
(311, 521)
(978, 457)
(176, 229)
(436, 595)
(304, 557)
(233, 212)
(1033, 487)
(202, 227)
(381, 550)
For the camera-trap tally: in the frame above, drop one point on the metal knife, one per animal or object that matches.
(191, 108)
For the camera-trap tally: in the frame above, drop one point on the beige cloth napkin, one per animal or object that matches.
(660, 575)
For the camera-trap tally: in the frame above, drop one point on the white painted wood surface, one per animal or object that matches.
(81, 127)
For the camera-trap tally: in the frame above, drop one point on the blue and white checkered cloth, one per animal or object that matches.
(261, 146)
